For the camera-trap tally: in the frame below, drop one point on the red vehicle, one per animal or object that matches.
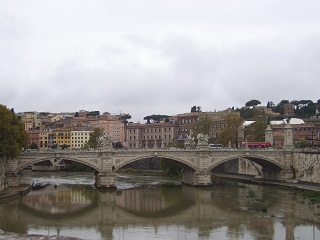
(258, 145)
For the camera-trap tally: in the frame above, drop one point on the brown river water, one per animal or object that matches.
(156, 207)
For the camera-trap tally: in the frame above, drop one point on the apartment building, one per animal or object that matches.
(161, 135)
(152, 135)
(44, 140)
(33, 138)
(115, 128)
(79, 138)
(62, 137)
(185, 122)
(301, 132)
(315, 135)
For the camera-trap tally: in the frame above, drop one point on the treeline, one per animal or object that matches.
(302, 109)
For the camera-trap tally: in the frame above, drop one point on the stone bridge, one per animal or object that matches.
(287, 164)
(197, 164)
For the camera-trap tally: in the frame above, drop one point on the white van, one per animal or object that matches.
(215, 146)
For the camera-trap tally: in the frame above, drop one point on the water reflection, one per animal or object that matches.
(62, 199)
(153, 201)
(165, 211)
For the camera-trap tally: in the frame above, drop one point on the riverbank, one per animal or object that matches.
(251, 179)
(14, 193)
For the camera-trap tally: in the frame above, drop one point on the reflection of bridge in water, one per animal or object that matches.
(156, 206)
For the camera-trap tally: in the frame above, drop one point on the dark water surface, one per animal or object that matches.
(154, 207)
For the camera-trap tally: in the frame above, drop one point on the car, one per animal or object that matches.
(215, 146)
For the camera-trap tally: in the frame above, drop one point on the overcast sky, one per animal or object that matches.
(146, 57)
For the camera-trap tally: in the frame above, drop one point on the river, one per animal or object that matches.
(156, 207)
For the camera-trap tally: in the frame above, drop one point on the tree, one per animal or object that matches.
(76, 114)
(64, 146)
(125, 118)
(231, 131)
(33, 146)
(255, 132)
(94, 136)
(249, 113)
(156, 118)
(13, 136)
(170, 168)
(196, 109)
(117, 145)
(253, 103)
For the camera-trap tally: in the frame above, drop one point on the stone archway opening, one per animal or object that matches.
(251, 166)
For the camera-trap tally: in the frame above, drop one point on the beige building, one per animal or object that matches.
(30, 120)
(185, 122)
(161, 135)
(152, 135)
(79, 138)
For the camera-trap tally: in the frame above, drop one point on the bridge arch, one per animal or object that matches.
(183, 163)
(264, 162)
(22, 165)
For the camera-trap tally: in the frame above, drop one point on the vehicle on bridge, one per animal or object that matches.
(215, 146)
(258, 145)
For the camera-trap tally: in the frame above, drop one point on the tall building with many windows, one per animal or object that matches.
(79, 138)
(152, 135)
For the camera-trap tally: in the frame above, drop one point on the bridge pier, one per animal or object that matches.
(12, 179)
(198, 178)
(105, 180)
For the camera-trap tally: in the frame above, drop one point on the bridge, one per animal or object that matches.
(287, 164)
(197, 165)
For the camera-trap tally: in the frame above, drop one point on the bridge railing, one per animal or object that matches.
(76, 151)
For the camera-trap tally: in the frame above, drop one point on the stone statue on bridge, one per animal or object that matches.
(105, 142)
(189, 141)
(202, 140)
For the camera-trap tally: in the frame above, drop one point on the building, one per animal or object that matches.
(33, 138)
(185, 122)
(315, 135)
(115, 128)
(301, 131)
(165, 134)
(44, 140)
(62, 137)
(79, 138)
(152, 135)
(288, 110)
